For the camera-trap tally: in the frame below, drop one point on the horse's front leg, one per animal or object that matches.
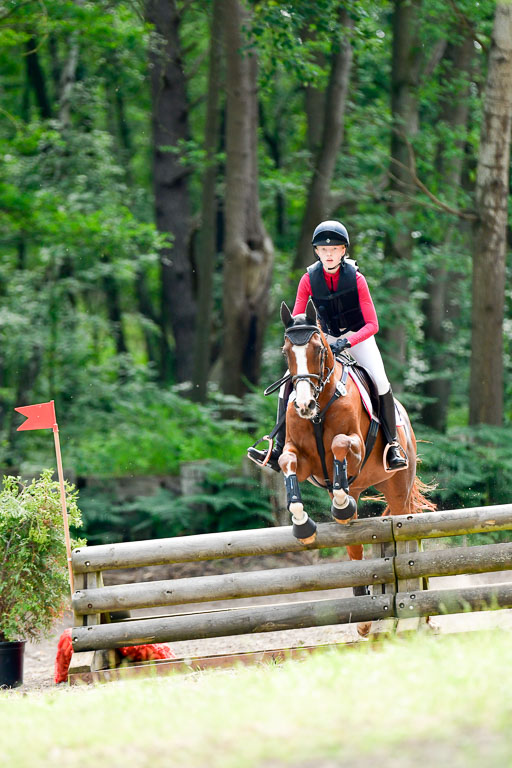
(344, 506)
(304, 528)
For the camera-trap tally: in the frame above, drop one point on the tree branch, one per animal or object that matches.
(196, 102)
(196, 65)
(469, 26)
(184, 8)
(372, 192)
(14, 8)
(411, 168)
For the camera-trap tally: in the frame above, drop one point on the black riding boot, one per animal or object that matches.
(396, 457)
(259, 456)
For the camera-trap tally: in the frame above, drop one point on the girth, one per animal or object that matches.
(318, 428)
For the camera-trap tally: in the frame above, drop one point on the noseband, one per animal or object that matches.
(300, 335)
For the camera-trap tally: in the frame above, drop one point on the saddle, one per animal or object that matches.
(367, 389)
(367, 382)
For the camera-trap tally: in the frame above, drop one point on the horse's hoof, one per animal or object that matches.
(363, 628)
(347, 513)
(343, 522)
(305, 532)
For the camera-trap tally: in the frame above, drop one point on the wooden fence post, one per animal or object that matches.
(415, 584)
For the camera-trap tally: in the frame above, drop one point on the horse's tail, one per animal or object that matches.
(418, 500)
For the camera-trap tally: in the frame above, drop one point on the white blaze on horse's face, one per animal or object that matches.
(305, 402)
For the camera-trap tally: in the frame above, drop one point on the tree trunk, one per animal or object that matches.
(37, 79)
(117, 121)
(489, 241)
(170, 125)
(317, 206)
(206, 251)
(274, 140)
(314, 98)
(404, 112)
(314, 105)
(113, 303)
(441, 304)
(150, 324)
(55, 66)
(67, 83)
(248, 249)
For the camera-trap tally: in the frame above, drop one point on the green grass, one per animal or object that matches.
(437, 700)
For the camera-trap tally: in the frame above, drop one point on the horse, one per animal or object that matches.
(329, 436)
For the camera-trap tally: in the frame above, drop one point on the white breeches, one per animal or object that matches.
(367, 354)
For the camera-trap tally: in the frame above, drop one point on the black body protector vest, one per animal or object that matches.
(339, 311)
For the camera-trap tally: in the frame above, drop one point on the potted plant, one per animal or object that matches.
(34, 585)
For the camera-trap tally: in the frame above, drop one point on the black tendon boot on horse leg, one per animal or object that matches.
(343, 506)
(304, 528)
(259, 456)
(394, 454)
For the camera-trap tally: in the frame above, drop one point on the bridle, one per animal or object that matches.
(300, 335)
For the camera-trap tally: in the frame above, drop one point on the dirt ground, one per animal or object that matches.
(40, 657)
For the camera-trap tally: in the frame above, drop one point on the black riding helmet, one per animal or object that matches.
(330, 233)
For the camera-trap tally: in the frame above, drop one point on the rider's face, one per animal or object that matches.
(330, 256)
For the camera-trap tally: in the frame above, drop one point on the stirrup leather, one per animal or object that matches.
(269, 451)
(394, 444)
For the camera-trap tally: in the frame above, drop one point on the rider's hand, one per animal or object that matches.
(340, 345)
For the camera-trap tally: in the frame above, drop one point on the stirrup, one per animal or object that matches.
(394, 444)
(269, 451)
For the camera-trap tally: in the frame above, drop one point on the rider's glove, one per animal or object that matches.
(340, 345)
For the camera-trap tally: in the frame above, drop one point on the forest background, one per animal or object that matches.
(163, 165)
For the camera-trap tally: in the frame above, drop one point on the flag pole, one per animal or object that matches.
(42, 416)
(63, 504)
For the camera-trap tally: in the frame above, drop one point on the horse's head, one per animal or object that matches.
(309, 357)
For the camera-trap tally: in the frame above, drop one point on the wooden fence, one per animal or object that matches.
(396, 569)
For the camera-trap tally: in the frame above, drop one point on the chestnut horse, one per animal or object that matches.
(325, 414)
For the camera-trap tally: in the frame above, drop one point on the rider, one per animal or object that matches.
(347, 316)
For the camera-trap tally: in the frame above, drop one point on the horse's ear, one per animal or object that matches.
(311, 312)
(286, 315)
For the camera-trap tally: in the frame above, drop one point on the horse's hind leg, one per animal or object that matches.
(304, 528)
(399, 492)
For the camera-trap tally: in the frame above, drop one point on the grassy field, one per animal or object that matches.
(432, 700)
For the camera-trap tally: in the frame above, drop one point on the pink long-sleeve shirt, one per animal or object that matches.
(371, 325)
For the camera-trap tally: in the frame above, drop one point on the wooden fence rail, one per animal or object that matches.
(271, 541)
(396, 572)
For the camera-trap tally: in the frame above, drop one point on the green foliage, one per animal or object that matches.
(471, 466)
(136, 428)
(221, 502)
(231, 502)
(34, 584)
(76, 216)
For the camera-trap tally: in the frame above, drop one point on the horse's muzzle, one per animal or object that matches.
(308, 411)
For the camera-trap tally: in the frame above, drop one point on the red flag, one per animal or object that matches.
(40, 416)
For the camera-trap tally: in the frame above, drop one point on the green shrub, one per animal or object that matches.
(224, 502)
(34, 584)
(135, 426)
(141, 429)
(472, 466)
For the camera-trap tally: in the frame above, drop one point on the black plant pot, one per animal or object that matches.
(11, 663)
